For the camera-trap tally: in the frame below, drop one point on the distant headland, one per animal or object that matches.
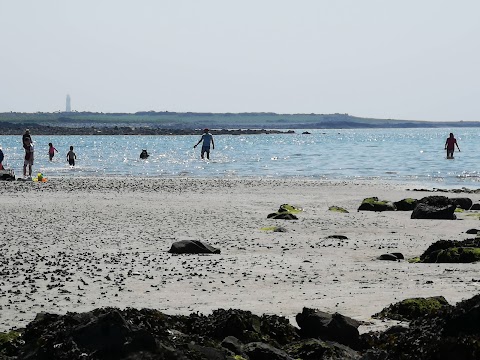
(176, 123)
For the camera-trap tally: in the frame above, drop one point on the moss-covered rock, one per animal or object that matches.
(410, 309)
(458, 255)
(337, 209)
(452, 251)
(373, 204)
(407, 204)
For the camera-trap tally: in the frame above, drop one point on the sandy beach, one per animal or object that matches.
(79, 244)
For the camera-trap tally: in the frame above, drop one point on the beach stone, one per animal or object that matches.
(475, 207)
(373, 204)
(391, 256)
(282, 216)
(410, 309)
(407, 204)
(472, 231)
(192, 247)
(262, 351)
(426, 211)
(207, 352)
(435, 201)
(339, 237)
(462, 203)
(233, 344)
(107, 332)
(318, 349)
(336, 327)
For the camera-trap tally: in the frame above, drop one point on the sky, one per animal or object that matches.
(408, 59)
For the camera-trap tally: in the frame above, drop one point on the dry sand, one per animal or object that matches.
(79, 244)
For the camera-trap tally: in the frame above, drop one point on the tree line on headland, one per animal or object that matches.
(165, 123)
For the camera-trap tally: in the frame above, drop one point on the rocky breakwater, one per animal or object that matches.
(443, 332)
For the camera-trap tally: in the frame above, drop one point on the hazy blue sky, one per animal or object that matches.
(408, 59)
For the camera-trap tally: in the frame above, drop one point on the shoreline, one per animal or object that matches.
(89, 242)
(18, 130)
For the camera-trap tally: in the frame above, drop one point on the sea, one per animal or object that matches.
(412, 156)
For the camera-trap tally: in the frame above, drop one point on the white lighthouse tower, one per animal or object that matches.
(68, 107)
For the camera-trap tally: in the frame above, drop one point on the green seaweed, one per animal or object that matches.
(374, 201)
(414, 260)
(7, 337)
(290, 208)
(268, 228)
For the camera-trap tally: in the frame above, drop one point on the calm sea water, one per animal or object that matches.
(414, 156)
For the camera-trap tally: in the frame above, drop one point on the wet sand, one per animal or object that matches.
(79, 244)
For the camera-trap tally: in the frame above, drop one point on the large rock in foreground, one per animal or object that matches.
(452, 333)
(318, 324)
(192, 247)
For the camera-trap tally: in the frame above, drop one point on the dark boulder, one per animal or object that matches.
(262, 351)
(105, 333)
(475, 207)
(462, 203)
(391, 256)
(426, 211)
(192, 247)
(336, 327)
(233, 344)
(472, 231)
(435, 201)
(282, 216)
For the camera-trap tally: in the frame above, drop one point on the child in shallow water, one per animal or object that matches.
(71, 157)
(51, 151)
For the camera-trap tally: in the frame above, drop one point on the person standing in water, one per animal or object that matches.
(71, 157)
(1, 158)
(28, 162)
(207, 138)
(51, 151)
(450, 146)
